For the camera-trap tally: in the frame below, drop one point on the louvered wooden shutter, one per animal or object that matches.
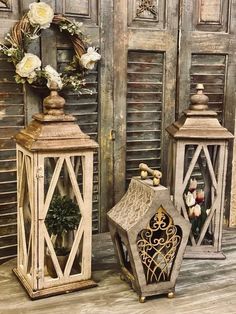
(144, 110)
(144, 85)
(211, 71)
(13, 102)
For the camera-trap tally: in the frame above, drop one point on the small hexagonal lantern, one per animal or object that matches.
(196, 174)
(149, 236)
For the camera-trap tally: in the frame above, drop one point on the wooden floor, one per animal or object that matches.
(203, 286)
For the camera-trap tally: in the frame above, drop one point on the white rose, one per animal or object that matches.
(89, 59)
(53, 76)
(27, 66)
(197, 210)
(189, 199)
(40, 14)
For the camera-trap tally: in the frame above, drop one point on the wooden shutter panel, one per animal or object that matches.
(144, 110)
(144, 85)
(211, 71)
(13, 102)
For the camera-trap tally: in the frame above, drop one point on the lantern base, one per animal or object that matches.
(143, 293)
(190, 254)
(48, 292)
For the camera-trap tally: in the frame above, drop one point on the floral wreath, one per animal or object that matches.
(28, 67)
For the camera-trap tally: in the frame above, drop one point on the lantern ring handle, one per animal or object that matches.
(145, 170)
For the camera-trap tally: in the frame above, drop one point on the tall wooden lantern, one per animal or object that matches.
(55, 175)
(149, 236)
(197, 170)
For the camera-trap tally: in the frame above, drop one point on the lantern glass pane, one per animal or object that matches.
(201, 172)
(64, 211)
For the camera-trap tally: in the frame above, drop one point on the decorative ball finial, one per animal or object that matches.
(199, 101)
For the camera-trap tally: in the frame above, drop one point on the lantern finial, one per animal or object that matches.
(54, 103)
(199, 101)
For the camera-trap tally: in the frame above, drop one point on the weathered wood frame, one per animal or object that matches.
(180, 181)
(127, 227)
(36, 283)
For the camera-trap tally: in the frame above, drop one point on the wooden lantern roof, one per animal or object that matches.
(53, 129)
(198, 122)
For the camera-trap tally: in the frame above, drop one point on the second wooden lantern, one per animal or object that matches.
(197, 170)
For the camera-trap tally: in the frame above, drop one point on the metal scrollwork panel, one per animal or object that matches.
(158, 245)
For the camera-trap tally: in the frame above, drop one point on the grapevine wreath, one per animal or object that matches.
(28, 67)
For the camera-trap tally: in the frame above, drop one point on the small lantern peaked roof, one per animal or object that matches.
(135, 204)
(198, 121)
(54, 130)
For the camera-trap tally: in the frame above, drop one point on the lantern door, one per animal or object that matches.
(199, 179)
(65, 217)
(27, 217)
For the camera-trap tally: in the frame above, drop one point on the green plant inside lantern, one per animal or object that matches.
(63, 216)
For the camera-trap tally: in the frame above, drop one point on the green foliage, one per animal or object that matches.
(63, 215)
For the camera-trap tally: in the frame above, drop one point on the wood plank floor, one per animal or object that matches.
(203, 286)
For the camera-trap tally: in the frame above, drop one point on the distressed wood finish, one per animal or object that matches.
(149, 237)
(201, 153)
(106, 110)
(232, 217)
(54, 158)
(144, 103)
(19, 104)
(144, 110)
(206, 55)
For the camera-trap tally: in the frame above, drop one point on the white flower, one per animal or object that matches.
(53, 76)
(89, 59)
(27, 66)
(40, 14)
(189, 199)
(197, 210)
